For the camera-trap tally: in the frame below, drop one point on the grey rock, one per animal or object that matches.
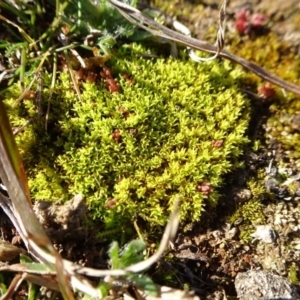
(265, 233)
(259, 285)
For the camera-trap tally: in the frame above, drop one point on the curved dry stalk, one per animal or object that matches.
(71, 72)
(14, 284)
(23, 33)
(136, 17)
(168, 235)
(13, 175)
(220, 41)
(75, 272)
(36, 75)
(53, 80)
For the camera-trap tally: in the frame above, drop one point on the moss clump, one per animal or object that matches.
(283, 127)
(256, 185)
(252, 214)
(293, 273)
(172, 131)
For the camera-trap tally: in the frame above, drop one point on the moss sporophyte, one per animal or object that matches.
(172, 128)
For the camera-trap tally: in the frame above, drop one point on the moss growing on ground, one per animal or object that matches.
(252, 214)
(174, 129)
(283, 127)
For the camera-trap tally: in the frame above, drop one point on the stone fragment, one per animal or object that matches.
(259, 285)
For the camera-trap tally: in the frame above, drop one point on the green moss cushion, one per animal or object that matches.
(173, 130)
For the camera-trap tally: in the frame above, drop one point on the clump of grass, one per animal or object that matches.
(34, 34)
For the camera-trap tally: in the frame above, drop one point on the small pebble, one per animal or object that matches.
(265, 233)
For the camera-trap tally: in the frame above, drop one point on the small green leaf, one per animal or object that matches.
(113, 253)
(145, 283)
(132, 253)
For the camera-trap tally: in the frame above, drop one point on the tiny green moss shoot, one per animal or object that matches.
(176, 126)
